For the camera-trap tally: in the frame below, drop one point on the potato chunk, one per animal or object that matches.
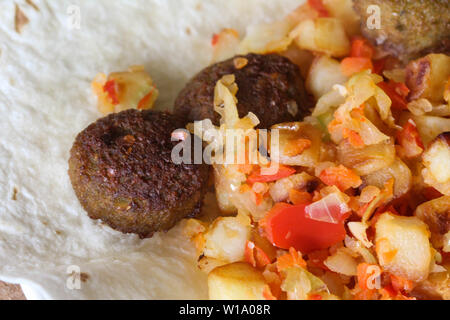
(226, 239)
(324, 73)
(426, 77)
(436, 159)
(436, 214)
(403, 247)
(397, 170)
(236, 281)
(325, 35)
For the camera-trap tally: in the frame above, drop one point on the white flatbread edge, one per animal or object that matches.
(45, 100)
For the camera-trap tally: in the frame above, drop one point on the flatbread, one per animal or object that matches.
(47, 242)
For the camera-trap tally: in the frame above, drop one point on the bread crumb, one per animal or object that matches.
(20, 19)
(31, 3)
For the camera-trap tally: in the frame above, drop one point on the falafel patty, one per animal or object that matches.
(122, 173)
(270, 86)
(409, 28)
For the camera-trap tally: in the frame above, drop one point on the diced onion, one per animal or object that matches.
(342, 262)
(358, 229)
(328, 209)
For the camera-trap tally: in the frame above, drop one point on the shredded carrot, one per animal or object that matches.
(341, 177)
(401, 284)
(290, 259)
(258, 198)
(267, 293)
(255, 256)
(296, 147)
(246, 168)
(244, 188)
(353, 137)
(364, 277)
(299, 197)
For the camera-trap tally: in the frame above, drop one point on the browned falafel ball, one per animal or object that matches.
(269, 85)
(122, 173)
(408, 29)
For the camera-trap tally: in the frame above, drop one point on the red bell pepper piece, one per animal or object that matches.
(319, 7)
(288, 226)
(110, 89)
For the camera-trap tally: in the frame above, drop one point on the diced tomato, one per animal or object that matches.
(341, 177)
(409, 140)
(397, 92)
(319, 7)
(288, 226)
(352, 65)
(111, 90)
(283, 172)
(361, 48)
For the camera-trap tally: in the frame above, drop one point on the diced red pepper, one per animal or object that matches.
(288, 226)
(110, 89)
(214, 39)
(361, 48)
(145, 100)
(315, 297)
(409, 140)
(379, 65)
(353, 137)
(283, 172)
(319, 7)
(397, 92)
